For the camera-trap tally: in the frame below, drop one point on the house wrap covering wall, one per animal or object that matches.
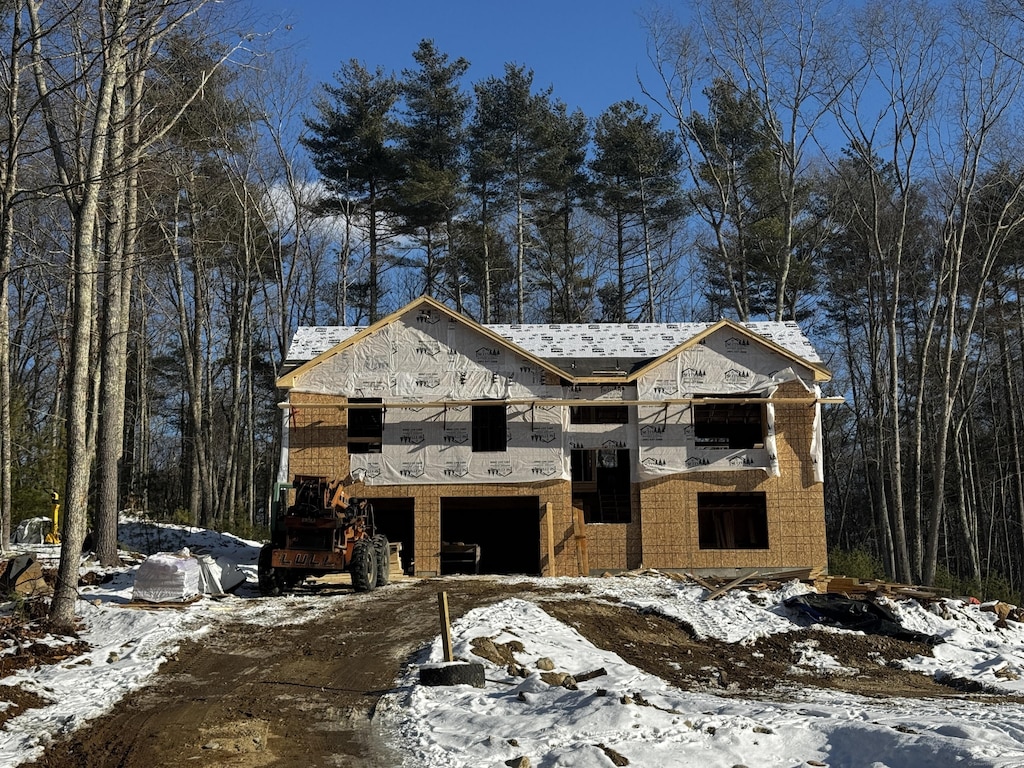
(428, 367)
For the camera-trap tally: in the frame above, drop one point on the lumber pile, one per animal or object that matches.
(395, 559)
(849, 586)
(753, 580)
(146, 605)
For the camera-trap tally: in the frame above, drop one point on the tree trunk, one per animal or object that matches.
(8, 188)
(85, 263)
(114, 339)
(649, 274)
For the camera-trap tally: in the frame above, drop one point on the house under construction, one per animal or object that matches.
(565, 449)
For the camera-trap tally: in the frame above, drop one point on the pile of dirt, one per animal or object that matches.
(16, 700)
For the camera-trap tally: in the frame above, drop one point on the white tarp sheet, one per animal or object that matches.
(218, 576)
(32, 531)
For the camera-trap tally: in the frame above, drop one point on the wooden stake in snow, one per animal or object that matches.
(446, 626)
(549, 513)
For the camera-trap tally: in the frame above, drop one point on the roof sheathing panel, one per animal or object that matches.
(312, 340)
(593, 346)
(637, 341)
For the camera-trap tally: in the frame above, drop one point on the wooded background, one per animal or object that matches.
(175, 199)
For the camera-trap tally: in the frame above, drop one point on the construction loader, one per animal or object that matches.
(323, 532)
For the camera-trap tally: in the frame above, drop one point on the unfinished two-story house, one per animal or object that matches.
(567, 449)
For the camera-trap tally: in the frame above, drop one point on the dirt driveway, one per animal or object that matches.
(304, 694)
(298, 695)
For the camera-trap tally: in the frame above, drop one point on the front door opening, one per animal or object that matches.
(600, 485)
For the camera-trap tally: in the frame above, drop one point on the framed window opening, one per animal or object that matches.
(598, 414)
(732, 521)
(729, 425)
(365, 426)
(490, 428)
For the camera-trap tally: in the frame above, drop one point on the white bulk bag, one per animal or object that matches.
(167, 577)
(33, 530)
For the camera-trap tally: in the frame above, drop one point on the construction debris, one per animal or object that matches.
(756, 581)
(846, 585)
(859, 615)
(734, 583)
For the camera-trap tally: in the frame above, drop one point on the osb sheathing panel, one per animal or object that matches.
(615, 546)
(795, 506)
(663, 532)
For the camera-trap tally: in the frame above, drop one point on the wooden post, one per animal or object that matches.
(548, 514)
(579, 532)
(446, 626)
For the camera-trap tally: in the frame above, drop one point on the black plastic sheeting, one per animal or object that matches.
(859, 615)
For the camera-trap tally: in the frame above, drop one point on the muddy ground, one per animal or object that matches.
(304, 695)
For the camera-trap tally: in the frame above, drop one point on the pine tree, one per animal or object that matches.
(635, 169)
(353, 148)
(433, 146)
(507, 148)
(561, 243)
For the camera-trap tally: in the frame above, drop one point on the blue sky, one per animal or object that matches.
(589, 50)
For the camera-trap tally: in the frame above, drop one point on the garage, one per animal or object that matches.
(394, 518)
(504, 531)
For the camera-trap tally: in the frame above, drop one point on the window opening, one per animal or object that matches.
(365, 426)
(490, 430)
(598, 414)
(728, 425)
(732, 521)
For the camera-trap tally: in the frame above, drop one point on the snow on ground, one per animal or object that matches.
(658, 725)
(625, 711)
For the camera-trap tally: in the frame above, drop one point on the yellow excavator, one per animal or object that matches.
(53, 537)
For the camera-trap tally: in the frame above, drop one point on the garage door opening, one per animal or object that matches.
(394, 518)
(506, 529)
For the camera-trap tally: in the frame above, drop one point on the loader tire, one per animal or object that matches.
(364, 566)
(269, 583)
(383, 551)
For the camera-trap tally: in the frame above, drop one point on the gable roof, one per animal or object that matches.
(351, 335)
(579, 352)
(625, 350)
(821, 373)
